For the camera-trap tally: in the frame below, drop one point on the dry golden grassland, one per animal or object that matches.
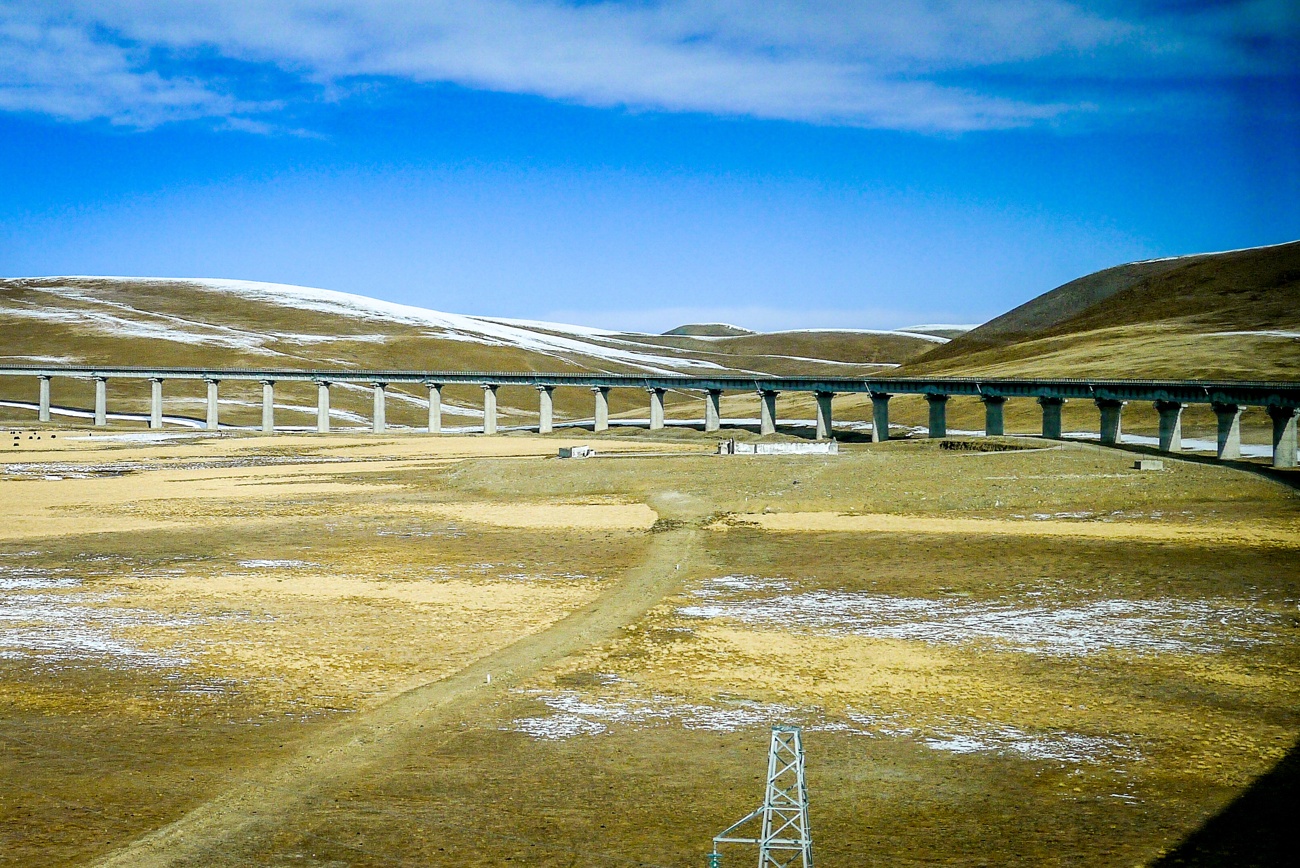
(405, 650)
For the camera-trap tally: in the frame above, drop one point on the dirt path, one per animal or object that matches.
(258, 804)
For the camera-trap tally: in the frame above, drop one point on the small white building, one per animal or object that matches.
(576, 452)
(815, 447)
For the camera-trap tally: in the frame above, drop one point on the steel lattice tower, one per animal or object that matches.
(785, 839)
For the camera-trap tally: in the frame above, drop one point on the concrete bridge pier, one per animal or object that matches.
(322, 407)
(1051, 416)
(938, 414)
(880, 416)
(435, 407)
(545, 409)
(994, 424)
(155, 402)
(713, 410)
(825, 418)
(44, 413)
(268, 406)
(1171, 425)
(489, 408)
(379, 422)
(1229, 416)
(1284, 435)
(656, 409)
(101, 401)
(602, 408)
(211, 422)
(1111, 424)
(766, 411)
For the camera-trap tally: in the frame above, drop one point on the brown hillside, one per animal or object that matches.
(1231, 315)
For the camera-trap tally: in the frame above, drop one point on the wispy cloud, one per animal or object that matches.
(928, 65)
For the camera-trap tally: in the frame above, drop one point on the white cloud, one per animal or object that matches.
(848, 62)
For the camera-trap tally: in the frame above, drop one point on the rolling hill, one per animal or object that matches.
(1232, 315)
(226, 323)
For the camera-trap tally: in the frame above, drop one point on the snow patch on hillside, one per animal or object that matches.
(552, 339)
(455, 326)
(901, 333)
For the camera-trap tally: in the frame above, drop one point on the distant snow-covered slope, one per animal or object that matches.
(226, 322)
(170, 322)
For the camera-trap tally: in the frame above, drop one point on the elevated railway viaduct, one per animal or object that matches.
(1168, 397)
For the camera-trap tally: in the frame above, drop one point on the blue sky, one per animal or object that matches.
(641, 164)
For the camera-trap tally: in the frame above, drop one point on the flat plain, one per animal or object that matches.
(412, 650)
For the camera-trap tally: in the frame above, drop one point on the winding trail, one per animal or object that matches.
(258, 804)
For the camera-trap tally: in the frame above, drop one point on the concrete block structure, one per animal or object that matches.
(994, 425)
(825, 417)
(767, 411)
(1171, 425)
(213, 421)
(656, 408)
(819, 447)
(1111, 425)
(1051, 416)
(155, 403)
(101, 401)
(1229, 435)
(435, 407)
(268, 406)
(490, 408)
(379, 420)
(601, 416)
(545, 409)
(322, 407)
(880, 416)
(938, 414)
(1284, 435)
(43, 408)
(713, 410)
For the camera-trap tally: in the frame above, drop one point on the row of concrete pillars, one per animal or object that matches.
(1111, 411)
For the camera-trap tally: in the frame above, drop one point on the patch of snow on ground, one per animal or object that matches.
(962, 735)
(32, 579)
(575, 714)
(1264, 333)
(1030, 626)
(79, 626)
(90, 414)
(257, 564)
(140, 323)
(1190, 444)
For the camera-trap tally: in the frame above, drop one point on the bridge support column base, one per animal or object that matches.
(994, 423)
(879, 417)
(1111, 420)
(938, 415)
(1284, 435)
(1051, 417)
(1229, 441)
(766, 411)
